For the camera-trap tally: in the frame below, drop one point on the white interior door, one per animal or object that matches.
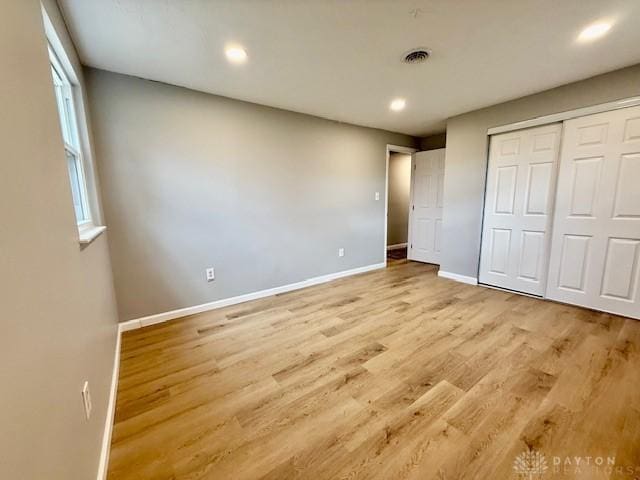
(425, 215)
(518, 208)
(596, 239)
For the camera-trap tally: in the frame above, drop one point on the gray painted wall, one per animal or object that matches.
(58, 325)
(399, 189)
(466, 157)
(434, 142)
(265, 196)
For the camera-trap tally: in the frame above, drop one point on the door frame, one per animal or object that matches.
(392, 149)
(566, 115)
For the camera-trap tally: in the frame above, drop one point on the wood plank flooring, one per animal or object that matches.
(393, 374)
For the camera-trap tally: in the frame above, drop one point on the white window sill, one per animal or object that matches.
(89, 234)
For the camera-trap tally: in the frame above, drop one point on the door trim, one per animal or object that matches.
(562, 116)
(392, 149)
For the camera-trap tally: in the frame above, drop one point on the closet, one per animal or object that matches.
(562, 212)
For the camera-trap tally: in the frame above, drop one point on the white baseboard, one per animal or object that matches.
(457, 277)
(111, 411)
(130, 325)
(182, 312)
(397, 246)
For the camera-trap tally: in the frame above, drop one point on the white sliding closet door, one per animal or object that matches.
(596, 234)
(518, 208)
(425, 216)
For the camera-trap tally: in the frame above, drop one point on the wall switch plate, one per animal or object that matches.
(341, 252)
(86, 400)
(377, 195)
(210, 274)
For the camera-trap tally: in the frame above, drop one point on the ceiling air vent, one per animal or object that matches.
(417, 55)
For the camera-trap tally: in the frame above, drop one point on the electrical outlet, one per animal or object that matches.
(341, 252)
(86, 400)
(377, 195)
(211, 276)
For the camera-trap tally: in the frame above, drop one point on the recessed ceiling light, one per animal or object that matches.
(398, 104)
(236, 54)
(594, 31)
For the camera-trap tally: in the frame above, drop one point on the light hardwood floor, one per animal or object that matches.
(394, 374)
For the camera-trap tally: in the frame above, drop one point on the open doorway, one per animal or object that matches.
(397, 202)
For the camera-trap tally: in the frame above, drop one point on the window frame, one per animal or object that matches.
(75, 135)
(70, 132)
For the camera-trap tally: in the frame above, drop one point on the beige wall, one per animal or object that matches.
(58, 325)
(466, 157)
(399, 187)
(265, 196)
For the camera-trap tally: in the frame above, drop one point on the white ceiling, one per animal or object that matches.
(341, 59)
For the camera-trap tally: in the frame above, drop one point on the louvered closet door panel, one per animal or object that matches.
(518, 208)
(596, 241)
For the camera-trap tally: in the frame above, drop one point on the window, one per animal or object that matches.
(70, 135)
(75, 136)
